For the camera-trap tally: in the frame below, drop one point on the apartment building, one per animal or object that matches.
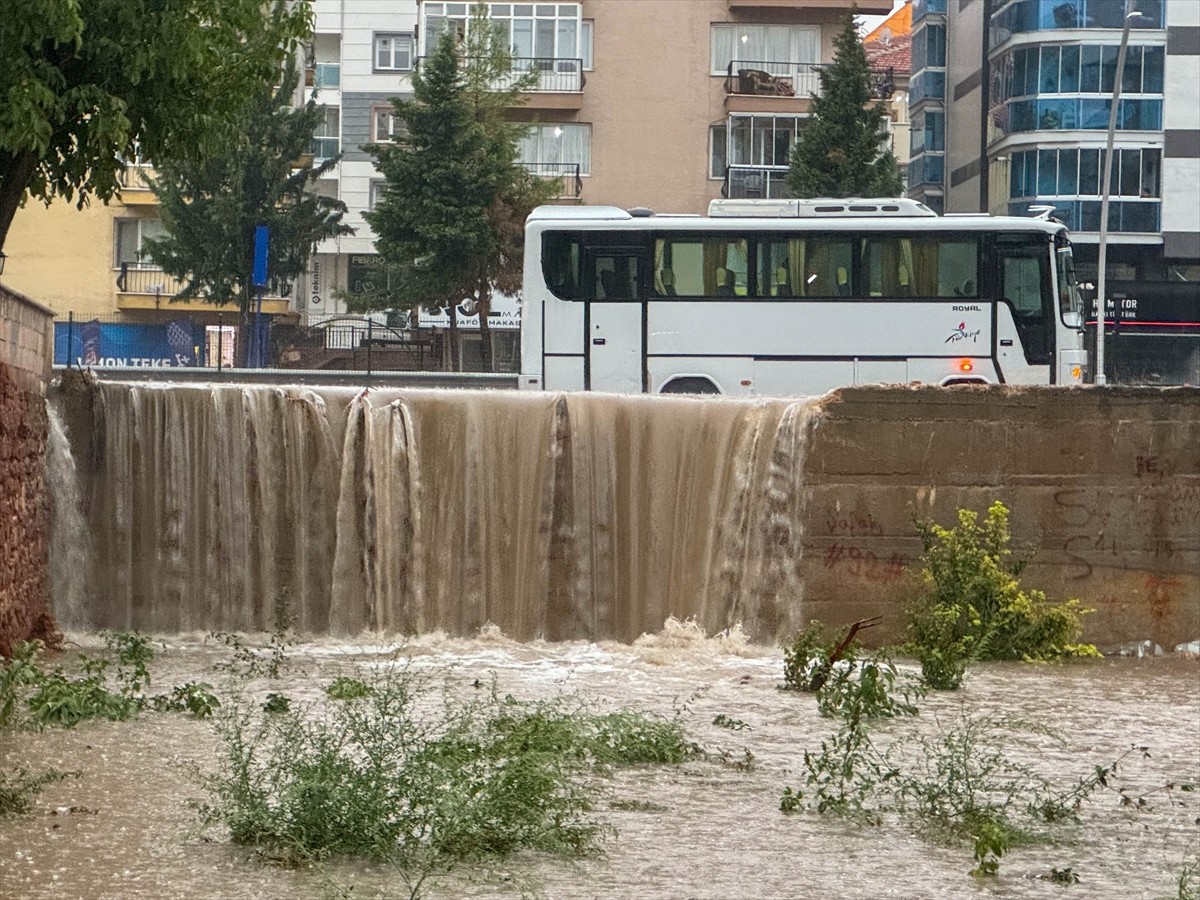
(1010, 103)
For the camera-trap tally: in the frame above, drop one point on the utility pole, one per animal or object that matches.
(1102, 260)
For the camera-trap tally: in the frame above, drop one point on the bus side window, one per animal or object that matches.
(560, 265)
(700, 266)
(805, 267)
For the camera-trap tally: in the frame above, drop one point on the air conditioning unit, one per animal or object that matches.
(566, 66)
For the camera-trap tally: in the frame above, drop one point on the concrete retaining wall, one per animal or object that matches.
(1103, 488)
(26, 342)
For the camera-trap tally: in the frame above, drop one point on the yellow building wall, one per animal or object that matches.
(63, 257)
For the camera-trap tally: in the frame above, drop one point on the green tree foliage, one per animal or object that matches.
(973, 606)
(84, 83)
(840, 151)
(211, 207)
(450, 223)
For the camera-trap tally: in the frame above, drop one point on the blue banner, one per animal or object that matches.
(95, 343)
(262, 239)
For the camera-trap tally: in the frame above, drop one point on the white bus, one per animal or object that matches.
(790, 297)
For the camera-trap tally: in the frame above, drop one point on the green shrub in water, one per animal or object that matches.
(378, 775)
(973, 606)
(18, 787)
(857, 684)
(112, 687)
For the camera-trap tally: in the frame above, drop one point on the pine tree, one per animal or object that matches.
(840, 151)
(212, 208)
(450, 223)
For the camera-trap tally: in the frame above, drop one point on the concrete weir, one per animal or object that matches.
(598, 516)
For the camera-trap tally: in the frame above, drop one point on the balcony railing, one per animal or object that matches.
(138, 278)
(134, 178)
(323, 148)
(553, 75)
(754, 182)
(568, 175)
(788, 79)
(324, 75)
(150, 280)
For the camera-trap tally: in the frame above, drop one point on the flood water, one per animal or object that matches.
(704, 829)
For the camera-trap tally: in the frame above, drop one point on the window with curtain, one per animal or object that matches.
(919, 267)
(785, 45)
(806, 267)
(128, 241)
(566, 144)
(701, 267)
(532, 30)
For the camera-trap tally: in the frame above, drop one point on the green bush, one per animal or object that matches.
(18, 787)
(973, 606)
(384, 774)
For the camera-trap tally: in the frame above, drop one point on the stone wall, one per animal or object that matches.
(26, 346)
(1103, 488)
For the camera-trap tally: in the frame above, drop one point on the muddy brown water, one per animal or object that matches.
(704, 829)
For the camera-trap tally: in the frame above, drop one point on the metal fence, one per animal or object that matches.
(380, 343)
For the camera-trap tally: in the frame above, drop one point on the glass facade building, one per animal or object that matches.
(927, 104)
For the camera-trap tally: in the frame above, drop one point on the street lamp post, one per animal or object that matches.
(1102, 258)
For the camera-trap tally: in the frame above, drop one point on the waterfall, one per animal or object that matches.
(70, 542)
(554, 515)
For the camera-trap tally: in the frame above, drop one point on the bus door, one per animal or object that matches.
(614, 317)
(1025, 285)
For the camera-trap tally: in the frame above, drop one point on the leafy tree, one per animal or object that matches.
(840, 152)
(84, 83)
(450, 223)
(211, 207)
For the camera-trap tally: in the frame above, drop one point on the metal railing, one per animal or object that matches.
(553, 75)
(789, 79)
(136, 278)
(145, 278)
(568, 175)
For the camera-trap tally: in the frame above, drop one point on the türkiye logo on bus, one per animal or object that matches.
(961, 334)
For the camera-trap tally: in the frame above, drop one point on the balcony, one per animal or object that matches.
(567, 174)
(135, 185)
(143, 286)
(758, 78)
(923, 8)
(327, 76)
(927, 170)
(756, 182)
(559, 83)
